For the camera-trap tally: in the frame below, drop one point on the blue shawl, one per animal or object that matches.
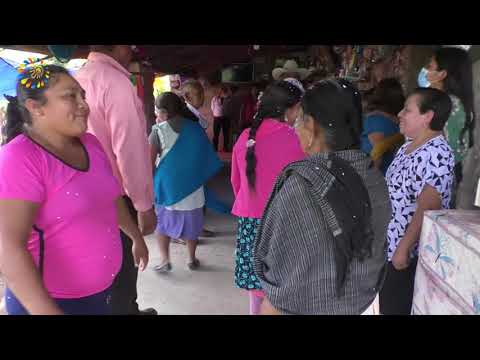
(188, 165)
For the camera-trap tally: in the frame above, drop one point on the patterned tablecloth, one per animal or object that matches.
(447, 280)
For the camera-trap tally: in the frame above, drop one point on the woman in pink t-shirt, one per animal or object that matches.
(259, 156)
(60, 205)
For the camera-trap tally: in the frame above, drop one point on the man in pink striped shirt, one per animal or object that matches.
(118, 121)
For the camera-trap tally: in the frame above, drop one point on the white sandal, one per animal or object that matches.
(161, 269)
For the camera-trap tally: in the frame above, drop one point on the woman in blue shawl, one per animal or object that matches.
(184, 161)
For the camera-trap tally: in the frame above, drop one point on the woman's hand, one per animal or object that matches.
(128, 226)
(401, 258)
(429, 199)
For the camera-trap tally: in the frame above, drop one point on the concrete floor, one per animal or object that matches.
(207, 291)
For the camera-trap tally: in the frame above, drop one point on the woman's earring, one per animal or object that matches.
(310, 142)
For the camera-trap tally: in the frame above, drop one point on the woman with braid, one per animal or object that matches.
(259, 156)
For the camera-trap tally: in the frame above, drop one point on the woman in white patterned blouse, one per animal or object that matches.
(420, 178)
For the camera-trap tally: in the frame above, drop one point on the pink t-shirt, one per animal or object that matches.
(77, 217)
(276, 146)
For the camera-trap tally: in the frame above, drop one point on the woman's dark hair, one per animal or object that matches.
(387, 97)
(17, 115)
(336, 58)
(356, 96)
(276, 99)
(336, 106)
(437, 101)
(367, 97)
(175, 107)
(172, 103)
(459, 81)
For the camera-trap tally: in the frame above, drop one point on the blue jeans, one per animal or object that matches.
(98, 304)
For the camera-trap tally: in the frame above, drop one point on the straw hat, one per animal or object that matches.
(290, 67)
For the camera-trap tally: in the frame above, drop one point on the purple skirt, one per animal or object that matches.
(177, 224)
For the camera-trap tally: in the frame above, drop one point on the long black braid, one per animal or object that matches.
(13, 126)
(275, 101)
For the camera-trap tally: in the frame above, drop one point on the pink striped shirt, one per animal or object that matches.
(216, 106)
(118, 121)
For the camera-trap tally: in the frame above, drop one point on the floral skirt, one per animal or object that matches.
(245, 277)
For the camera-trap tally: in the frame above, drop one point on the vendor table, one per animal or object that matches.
(447, 280)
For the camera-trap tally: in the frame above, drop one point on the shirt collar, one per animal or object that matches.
(270, 125)
(193, 110)
(103, 58)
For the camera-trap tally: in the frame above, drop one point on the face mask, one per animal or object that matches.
(422, 78)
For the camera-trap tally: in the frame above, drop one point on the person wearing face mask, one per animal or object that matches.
(259, 155)
(450, 70)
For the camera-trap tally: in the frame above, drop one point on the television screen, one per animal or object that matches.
(238, 73)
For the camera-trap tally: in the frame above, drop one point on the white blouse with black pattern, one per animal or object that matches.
(431, 164)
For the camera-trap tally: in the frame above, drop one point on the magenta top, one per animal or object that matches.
(77, 217)
(276, 146)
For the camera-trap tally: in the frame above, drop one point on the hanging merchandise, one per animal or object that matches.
(349, 57)
(364, 65)
(161, 85)
(355, 63)
(320, 62)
